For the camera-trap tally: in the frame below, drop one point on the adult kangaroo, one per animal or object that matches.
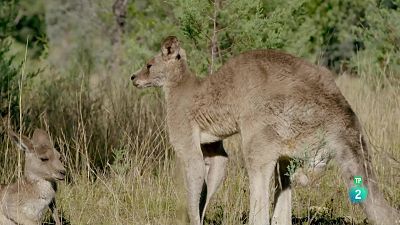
(281, 105)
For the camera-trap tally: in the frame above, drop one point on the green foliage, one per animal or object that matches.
(11, 70)
(323, 30)
(149, 22)
(120, 165)
(309, 28)
(337, 34)
(30, 25)
(8, 82)
(353, 36)
(8, 11)
(240, 26)
(381, 55)
(342, 35)
(9, 73)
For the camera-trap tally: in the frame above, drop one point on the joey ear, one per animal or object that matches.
(22, 141)
(170, 48)
(41, 137)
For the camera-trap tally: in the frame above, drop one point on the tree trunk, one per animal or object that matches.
(214, 38)
(119, 10)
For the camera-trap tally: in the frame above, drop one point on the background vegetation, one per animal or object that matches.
(65, 66)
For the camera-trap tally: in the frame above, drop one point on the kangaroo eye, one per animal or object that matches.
(148, 66)
(44, 159)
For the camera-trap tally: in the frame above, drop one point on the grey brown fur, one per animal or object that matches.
(281, 105)
(25, 201)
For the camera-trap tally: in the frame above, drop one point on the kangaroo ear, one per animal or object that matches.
(21, 141)
(41, 137)
(170, 48)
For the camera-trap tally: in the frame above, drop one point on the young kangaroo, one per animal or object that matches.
(25, 201)
(283, 107)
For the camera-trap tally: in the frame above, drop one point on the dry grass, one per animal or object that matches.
(139, 184)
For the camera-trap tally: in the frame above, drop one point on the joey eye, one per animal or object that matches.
(148, 66)
(44, 159)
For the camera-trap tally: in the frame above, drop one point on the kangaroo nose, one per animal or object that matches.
(133, 77)
(63, 172)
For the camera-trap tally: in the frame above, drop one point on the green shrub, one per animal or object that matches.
(381, 37)
(11, 71)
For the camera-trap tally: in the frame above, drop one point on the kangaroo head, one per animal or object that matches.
(167, 66)
(41, 159)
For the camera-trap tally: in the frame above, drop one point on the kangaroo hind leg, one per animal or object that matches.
(283, 194)
(216, 160)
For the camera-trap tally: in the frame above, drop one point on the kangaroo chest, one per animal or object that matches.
(30, 203)
(35, 206)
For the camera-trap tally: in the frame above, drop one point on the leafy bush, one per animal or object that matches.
(8, 82)
(239, 26)
(341, 35)
(11, 70)
(381, 37)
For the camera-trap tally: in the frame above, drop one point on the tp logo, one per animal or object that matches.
(358, 193)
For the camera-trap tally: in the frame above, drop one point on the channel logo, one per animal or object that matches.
(358, 193)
